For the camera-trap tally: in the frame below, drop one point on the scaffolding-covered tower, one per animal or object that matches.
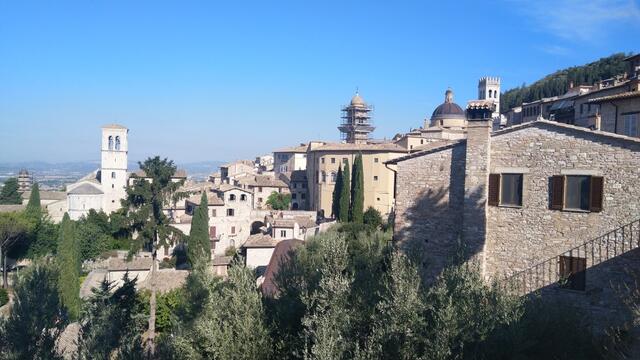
(356, 121)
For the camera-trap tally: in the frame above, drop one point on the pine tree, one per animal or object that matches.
(34, 209)
(69, 265)
(337, 191)
(345, 195)
(198, 245)
(357, 191)
(144, 205)
(9, 194)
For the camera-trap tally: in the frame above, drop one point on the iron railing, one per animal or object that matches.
(595, 251)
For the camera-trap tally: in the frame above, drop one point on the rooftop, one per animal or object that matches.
(260, 241)
(86, 189)
(621, 96)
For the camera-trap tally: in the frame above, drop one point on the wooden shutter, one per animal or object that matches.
(494, 190)
(597, 185)
(557, 192)
(212, 232)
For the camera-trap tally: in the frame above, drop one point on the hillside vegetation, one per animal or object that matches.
(558, 82)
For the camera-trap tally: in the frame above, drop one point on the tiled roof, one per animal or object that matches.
(302, 148)
(86, 189)
(47, 195)
(229, 187)
(243, 162)
(221, 260)
(387, 146)
(12, 207)
(166, 280)
(113, 126)
(135, 264)
(262, 180)
(260, 241)
(212, 199)
(428, 148)
(280, 255)
(299, 176)
(624, 95)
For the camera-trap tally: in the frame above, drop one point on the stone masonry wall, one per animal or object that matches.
(518, 238)
(429, 207)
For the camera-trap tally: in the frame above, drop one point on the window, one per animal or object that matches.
(333, 177)
(303, 196)
(113, 186)
(232, 197)
(233, 230)
(304, 185)
(630, 123)
(259, 200)
(213, 212)
(505, 190)
(230, 212)
(295, 185)
(117, 142)
(294, 196)
(283, 233)
(572, 272)
(324, 176)
(333, 160)
(212, 232)
(322, 160)
(259, 188)
(113, 174)
(110, 142)
(421, 141)
(243, 197)
(375, 160)
(375, 178)
(577, 192)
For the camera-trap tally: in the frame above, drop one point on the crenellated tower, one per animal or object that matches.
(489, 89)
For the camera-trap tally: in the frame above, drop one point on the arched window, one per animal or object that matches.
(489, 93)
(110, 142)
(324, 177)
(117, 142)
(113, 174)
(333, 177)
(232, 197)
(243, 197)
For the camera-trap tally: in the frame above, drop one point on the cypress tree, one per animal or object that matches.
(344, 195)
(9, 193)
(33, 210)
(69, 267)
(198, 246)
(337, 190)
(357, 191)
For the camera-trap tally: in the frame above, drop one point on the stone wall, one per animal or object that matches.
(518, 238)
(429, 197)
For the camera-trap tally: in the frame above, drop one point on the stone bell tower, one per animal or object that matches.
(489, 89)
(113, 174)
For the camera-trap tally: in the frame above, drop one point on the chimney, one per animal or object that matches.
(476, 179)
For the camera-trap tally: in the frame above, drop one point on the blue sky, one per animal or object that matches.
(205, 80)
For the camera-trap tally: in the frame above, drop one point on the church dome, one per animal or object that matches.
(356, 100)
(448, 113)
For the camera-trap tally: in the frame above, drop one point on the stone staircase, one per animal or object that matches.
(591, 253)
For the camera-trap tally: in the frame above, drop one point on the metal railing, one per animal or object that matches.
(595, 251)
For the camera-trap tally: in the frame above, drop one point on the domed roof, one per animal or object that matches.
(357, 100)
(448, 109)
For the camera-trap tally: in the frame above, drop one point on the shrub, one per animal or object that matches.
(372, 217)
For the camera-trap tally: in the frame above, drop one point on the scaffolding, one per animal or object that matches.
(356, 123)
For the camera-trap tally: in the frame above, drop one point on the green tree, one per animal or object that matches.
(327, 320)
(112, 323)
(9, 194)
(357, 191)
(36, 318)
(337, 191)
(279, 201)
(236, 330)
(145, 201)
(34, 209)
(198, 244)
(345, 195)
(14, 229)
(372, 217)
(69, 263)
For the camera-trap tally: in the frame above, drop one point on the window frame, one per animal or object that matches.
(500, 187)
(565, 192)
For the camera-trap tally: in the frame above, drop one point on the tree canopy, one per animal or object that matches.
(279, 201)
(198, 244)
(357, 191)
(9, 193)
(345, 195)
(335, 198)
(69, 262)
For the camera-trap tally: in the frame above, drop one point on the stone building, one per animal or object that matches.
(298, 183)
(287, 160)
(230, 171)
(535, 203)
(261, 186)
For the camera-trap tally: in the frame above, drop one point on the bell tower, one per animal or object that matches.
(113, 174)
(356, 121)
(489, 89)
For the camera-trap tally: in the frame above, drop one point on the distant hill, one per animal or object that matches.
(558, 82)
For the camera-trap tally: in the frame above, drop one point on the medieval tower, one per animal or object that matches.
(489, 89)
(113, 174)
(356, 121)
